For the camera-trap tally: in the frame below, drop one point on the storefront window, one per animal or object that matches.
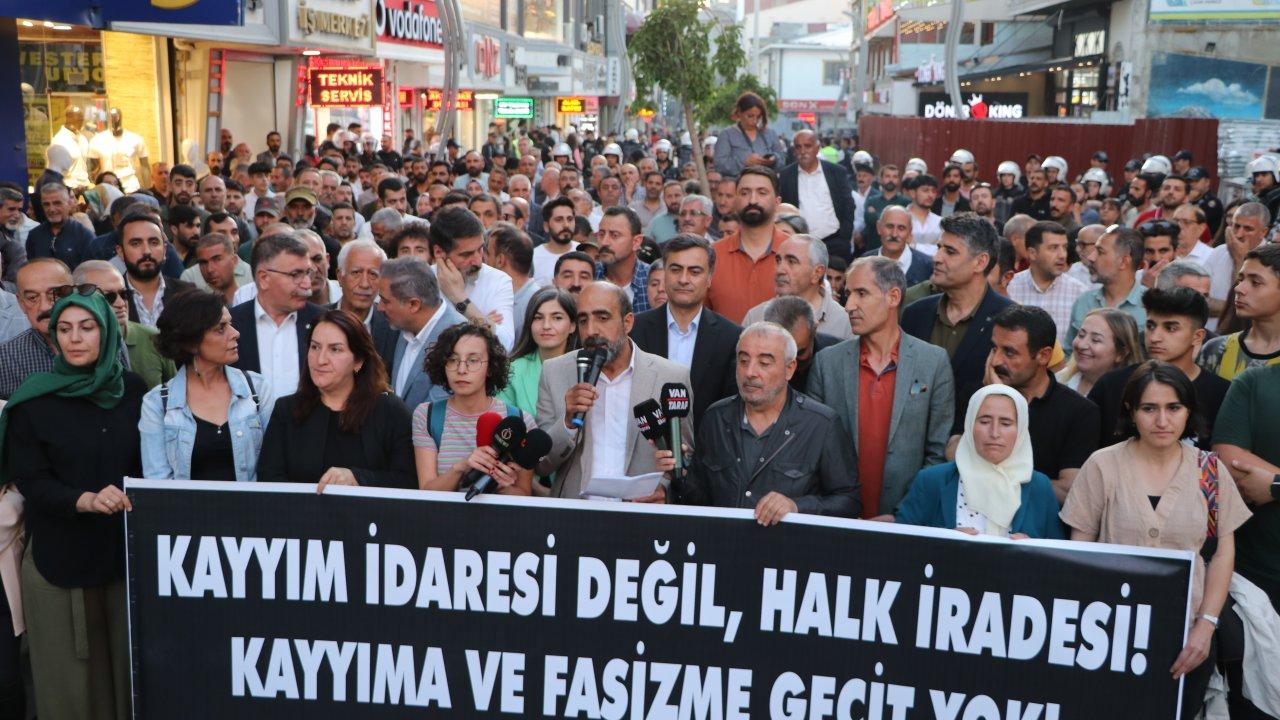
(61, 67)
(542, 19)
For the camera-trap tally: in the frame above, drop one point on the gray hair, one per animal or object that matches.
(818, 254)
(511, 181)
(411, 278)
(330, 175)
(788, 310)
(354, 245)
(389, 218)
(308, 235)
(887, 274)
(708, 207)
(1249, 209)
(269, 247)
(57, 187)
(655, 266)
(81, 273)
(795, 222)
(1168, 277)
(1017, 226)
(769, 328)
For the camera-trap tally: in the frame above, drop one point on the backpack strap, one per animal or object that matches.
(513, 411)
(435, 421)
(1209, 488)
(164, 399)
(253, 391)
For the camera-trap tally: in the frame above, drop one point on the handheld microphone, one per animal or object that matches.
(652, 423)
(596, 357)
(675, 405)
(532, 447)
(506, 436)
(584, 362)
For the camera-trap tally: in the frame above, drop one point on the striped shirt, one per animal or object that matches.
(459, 437)
(1057, 299)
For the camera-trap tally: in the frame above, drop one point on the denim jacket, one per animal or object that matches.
(168, 435)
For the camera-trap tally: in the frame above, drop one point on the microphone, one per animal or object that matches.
(675, 405)
(506, 436)
(584, 362)
(532, 447)
(596, 357)
(651, 422)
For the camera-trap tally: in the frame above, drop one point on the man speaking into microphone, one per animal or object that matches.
(603, 441)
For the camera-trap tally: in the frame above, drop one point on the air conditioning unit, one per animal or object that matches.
(563, 60)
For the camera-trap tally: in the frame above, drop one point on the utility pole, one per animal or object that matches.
(949, 58)
(755, 37)
(858, 58)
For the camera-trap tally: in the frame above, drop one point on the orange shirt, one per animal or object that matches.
(741, 283)
(875, 412)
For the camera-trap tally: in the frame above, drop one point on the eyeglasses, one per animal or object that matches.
(296, 276)
(87, 289)
(1157, 227)
(469, 364)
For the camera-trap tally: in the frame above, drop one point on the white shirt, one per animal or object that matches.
(680, 343)
(148, 315)
(117, 155)
(492, 292)
(609, 419)
(77, 176)
(544, 262)
(413, 349)
(277, 350)
(597, 214)
(1081, 273)
(924, 235)
(904, 260)
(251, 202)
(249, 291)
(815, 202)
(1222, 277)
(859, 204)
(1200, 253)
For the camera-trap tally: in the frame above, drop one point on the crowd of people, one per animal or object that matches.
(1029, 355)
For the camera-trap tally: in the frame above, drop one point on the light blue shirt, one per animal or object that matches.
(12, 320)
(680, 344)
(1093, 299)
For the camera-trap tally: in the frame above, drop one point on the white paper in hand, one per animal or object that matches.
(622, 488)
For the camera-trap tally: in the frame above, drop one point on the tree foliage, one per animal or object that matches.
(717, 110)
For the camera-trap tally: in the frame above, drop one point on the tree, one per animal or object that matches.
(673, 50)
(718, 109)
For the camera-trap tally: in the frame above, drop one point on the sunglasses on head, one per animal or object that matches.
(1157, 227)
(87, 289)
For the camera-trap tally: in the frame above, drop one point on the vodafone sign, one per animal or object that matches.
(409, 22)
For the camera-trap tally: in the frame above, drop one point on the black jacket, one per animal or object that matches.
(713, 372)
(294, 452)
(969, 362)
(245, 323)
(808, 458)
(962, 205)
(841, 199)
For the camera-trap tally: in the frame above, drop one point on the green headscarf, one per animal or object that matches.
(102, 383)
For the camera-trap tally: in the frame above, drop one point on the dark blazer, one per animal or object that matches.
(294, 452)
(713, 371)
(243, 321)
(172, 286)
(841, 200)
(969, 362)
(921, 266)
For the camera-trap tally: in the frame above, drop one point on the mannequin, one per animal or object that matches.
(115, 150)
(77, 145)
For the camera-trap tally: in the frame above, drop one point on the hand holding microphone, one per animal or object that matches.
(506, 436)
(654, 427)
(582, 396)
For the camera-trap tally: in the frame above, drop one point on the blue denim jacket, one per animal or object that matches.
(168, 436)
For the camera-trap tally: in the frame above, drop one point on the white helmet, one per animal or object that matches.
(612, 149)
(917, 165)
(1264, 164)
(961, 157)
(561, 150)
(632, 134)
(862, 157)
(1158, 165)
(663, 145)
(1053, 161)
(1009, 167)
(1097, 175)
(709, 141)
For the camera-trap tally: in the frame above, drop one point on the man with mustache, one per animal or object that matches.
(745, 261)
(951, 200)
(877, 201)
(608, 443)
(620, 237)
(1036, 202)
(31, 351)
(182, 189)
(574, 271)
(14, 226)
(142, 249)
(359, 274)
(479, 292)
(1062, 423)
(59, 236)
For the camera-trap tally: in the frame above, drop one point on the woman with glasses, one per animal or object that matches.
(69, 436)
(207, 422)
(469, 361)
(343, 426)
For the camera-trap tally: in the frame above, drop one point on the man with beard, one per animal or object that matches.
(663, 227)
(300, 211)
(951, 200)
(480, 293)
(342, 226)
(1140, 198)
(218, 268)
(13, 233)
(184, 230)
(620, 237)
(142, 249)
(1062, 208)
(558, 219)
(182, 187)
(419, 182)
(1063, 424)
(821, 191)
(137, 339)
(216, 163)
(745, 261)
(606, 443)
(890, 178)
(651, 205)
(574, 271)
(59, 236)
(1036, 202)
(272, 152)
(983, 204)
(474, 165)
(1173, 194)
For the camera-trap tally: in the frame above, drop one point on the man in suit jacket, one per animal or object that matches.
(608, 443)
(684, 330)
(959, 318)
(893, 393)
(409, 295)
(827, 206)
(359, 267)
(894, 230)
(275, 326)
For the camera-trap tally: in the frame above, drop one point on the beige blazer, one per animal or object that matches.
(570, 456)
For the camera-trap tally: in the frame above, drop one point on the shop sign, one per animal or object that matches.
(488, 59)
(806, 106)
(977, 105)
(102, 14)
(435, 99)
(345, 86)
(578, 105)
(537, 84)
(408, 22)
(62, 67)
(1235, 11)
(513, 108)
(338, 23)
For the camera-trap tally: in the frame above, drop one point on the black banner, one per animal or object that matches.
(270, 601)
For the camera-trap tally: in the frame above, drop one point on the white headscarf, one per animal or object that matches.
(991, 489)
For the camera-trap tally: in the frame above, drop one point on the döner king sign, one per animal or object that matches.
(345, 86)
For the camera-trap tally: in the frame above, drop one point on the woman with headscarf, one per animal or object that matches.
(991, 487)
(70, 437)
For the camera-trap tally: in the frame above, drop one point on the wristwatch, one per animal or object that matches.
(1275, 488)
(462, 306)
(1212, 619)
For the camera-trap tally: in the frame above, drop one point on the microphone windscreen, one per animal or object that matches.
(675, 400)
(532, 447)
(508, 434)
(485, 425)
(650, 420)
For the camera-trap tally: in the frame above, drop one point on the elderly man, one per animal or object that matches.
(894, 232)
(40, 284)
(58, 236)
(823, 193)
(695, 215)
(746, 458)
(607, 443)
(802, 266)
(138, 339)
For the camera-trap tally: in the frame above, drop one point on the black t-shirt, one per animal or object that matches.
(1062, 427)
(1108, 392)
(1038, 209)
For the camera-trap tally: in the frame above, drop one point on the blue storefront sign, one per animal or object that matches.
(102, 13)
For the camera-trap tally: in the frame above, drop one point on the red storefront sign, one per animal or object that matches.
(351, 86)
